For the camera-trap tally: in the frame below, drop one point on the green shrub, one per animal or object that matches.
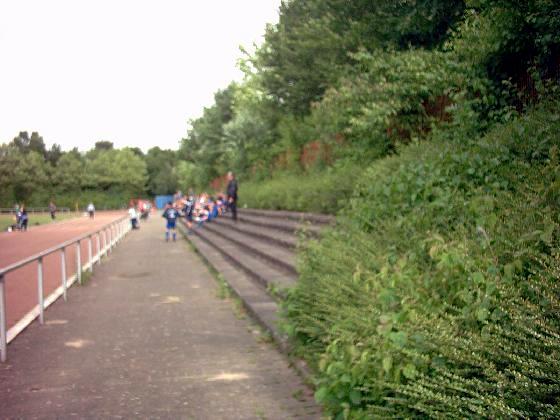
(392, 97)
(102, 200)
(317, 191)
(436, 294)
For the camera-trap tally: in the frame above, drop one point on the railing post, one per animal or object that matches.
(78, 262)
(40, 290)
(90, 254)
(98, 241)
(63, 272)
(104, 242)
(3, 327)
(110, 234)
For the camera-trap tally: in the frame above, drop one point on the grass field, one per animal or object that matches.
(35, 219)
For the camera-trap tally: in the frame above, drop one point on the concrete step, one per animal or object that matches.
(257, 301)
(267, 276)
(278, 256)
(274, 236)
(259, 304)
(283, 225)
(291, 215)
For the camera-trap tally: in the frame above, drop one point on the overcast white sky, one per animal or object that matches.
(129, 71)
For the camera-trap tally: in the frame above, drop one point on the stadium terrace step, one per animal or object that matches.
(255, 256)
(259, 303)
(279, 257)
(274, 236)
(285, 225)
(291, 215)
(268, 276)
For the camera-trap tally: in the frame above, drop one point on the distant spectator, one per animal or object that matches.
(52, 210)
(232, 195)
(91, 210)
(23, 219)
(145, 210)
(188, 210)
(221, 204)
(133, 216)
(17, 212)
(213, 209)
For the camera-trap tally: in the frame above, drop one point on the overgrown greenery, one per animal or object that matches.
(437, 293)
(433, 128)
(322, 192)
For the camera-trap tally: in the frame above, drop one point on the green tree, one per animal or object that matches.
(104, 145)
(30, 175)
(160, 166)
(205, 144)
(53, 154)
(307, 50)
(116, 170)
(69, 172)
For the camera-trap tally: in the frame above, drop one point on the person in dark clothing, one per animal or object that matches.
(23, 219)
(188, 210)
(52, 210)
(232, 195)
(170, 214)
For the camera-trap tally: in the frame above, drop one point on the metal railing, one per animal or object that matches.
(109, 234)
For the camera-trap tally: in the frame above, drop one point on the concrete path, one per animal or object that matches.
(147, 337)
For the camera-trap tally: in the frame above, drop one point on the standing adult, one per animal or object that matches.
(232, 195)
(91, 210)
(52, 210)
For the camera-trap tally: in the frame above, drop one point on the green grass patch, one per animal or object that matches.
(35, 219)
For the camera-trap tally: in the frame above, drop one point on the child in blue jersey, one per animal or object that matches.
(170, 214)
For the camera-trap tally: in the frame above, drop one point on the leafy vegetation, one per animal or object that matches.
(322, 192)
(432, 128)
(32, 175)
(437, 293)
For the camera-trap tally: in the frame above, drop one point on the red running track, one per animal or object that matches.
(21, 284)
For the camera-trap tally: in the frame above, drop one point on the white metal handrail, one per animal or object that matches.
(111, 233)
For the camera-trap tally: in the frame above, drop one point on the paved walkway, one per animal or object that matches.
(147, 337)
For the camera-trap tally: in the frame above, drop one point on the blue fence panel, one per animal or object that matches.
(162, 200)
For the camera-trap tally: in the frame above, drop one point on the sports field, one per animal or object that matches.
(35, 219)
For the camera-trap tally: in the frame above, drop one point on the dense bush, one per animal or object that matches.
(436, 295)
(103, 200)
(388, 98)
(322, 191)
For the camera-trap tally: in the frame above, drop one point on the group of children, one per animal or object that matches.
(196, 210)
(22, 219)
